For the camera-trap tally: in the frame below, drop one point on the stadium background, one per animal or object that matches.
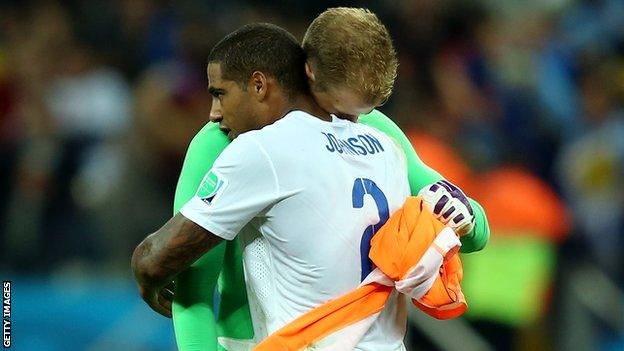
(519, 102)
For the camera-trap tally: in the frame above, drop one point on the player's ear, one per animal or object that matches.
(309, 71)
(259, 85)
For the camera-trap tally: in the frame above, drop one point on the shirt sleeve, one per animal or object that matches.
(202, 152)
(240, 185)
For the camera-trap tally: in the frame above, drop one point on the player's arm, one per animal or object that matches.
(421, 175)
(194, 319)
(164, 254)
(241, 183)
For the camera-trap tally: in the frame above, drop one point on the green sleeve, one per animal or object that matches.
(420, 175)
(193, 315)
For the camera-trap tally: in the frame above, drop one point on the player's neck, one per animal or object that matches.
(307, 104)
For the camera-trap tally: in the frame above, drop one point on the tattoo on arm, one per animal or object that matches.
(170, 250)
(187, 242)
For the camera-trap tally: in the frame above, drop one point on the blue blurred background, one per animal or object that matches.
(520, 102)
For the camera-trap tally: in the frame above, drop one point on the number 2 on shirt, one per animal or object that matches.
(361, 187)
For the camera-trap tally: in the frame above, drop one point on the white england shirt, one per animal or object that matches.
(305, 196)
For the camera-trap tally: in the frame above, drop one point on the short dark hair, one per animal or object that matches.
(262, 47)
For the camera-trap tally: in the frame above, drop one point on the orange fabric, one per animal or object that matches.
(446, 289)
(328, 318)
(395, 254)
(395, 249)
(534, 207)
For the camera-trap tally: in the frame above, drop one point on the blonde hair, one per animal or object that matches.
(350, 47)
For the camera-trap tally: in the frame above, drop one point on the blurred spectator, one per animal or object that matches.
(171, 104)
(75, 110)
(441, 157)
(591, 168)
(517, 269)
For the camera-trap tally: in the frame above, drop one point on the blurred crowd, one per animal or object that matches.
(520, 102)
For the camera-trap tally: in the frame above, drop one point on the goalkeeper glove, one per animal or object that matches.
(449, 205)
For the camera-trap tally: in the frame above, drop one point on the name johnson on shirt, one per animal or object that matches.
(362, 144)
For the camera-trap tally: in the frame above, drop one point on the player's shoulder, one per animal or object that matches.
(283, 130)
(368, 129)
(374, 114)
(245, 152)
(264, 139)
(389, 143)
(376, 133)
(211, 135)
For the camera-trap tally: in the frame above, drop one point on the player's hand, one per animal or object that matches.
(450, 206)
(159, 299)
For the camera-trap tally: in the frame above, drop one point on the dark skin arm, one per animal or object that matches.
(164, 254)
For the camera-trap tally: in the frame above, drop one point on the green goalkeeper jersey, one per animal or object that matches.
(217, 278)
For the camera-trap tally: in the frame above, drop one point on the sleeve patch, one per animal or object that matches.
(210, 186)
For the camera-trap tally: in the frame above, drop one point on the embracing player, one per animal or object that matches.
(270, 187)
(346, 80)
